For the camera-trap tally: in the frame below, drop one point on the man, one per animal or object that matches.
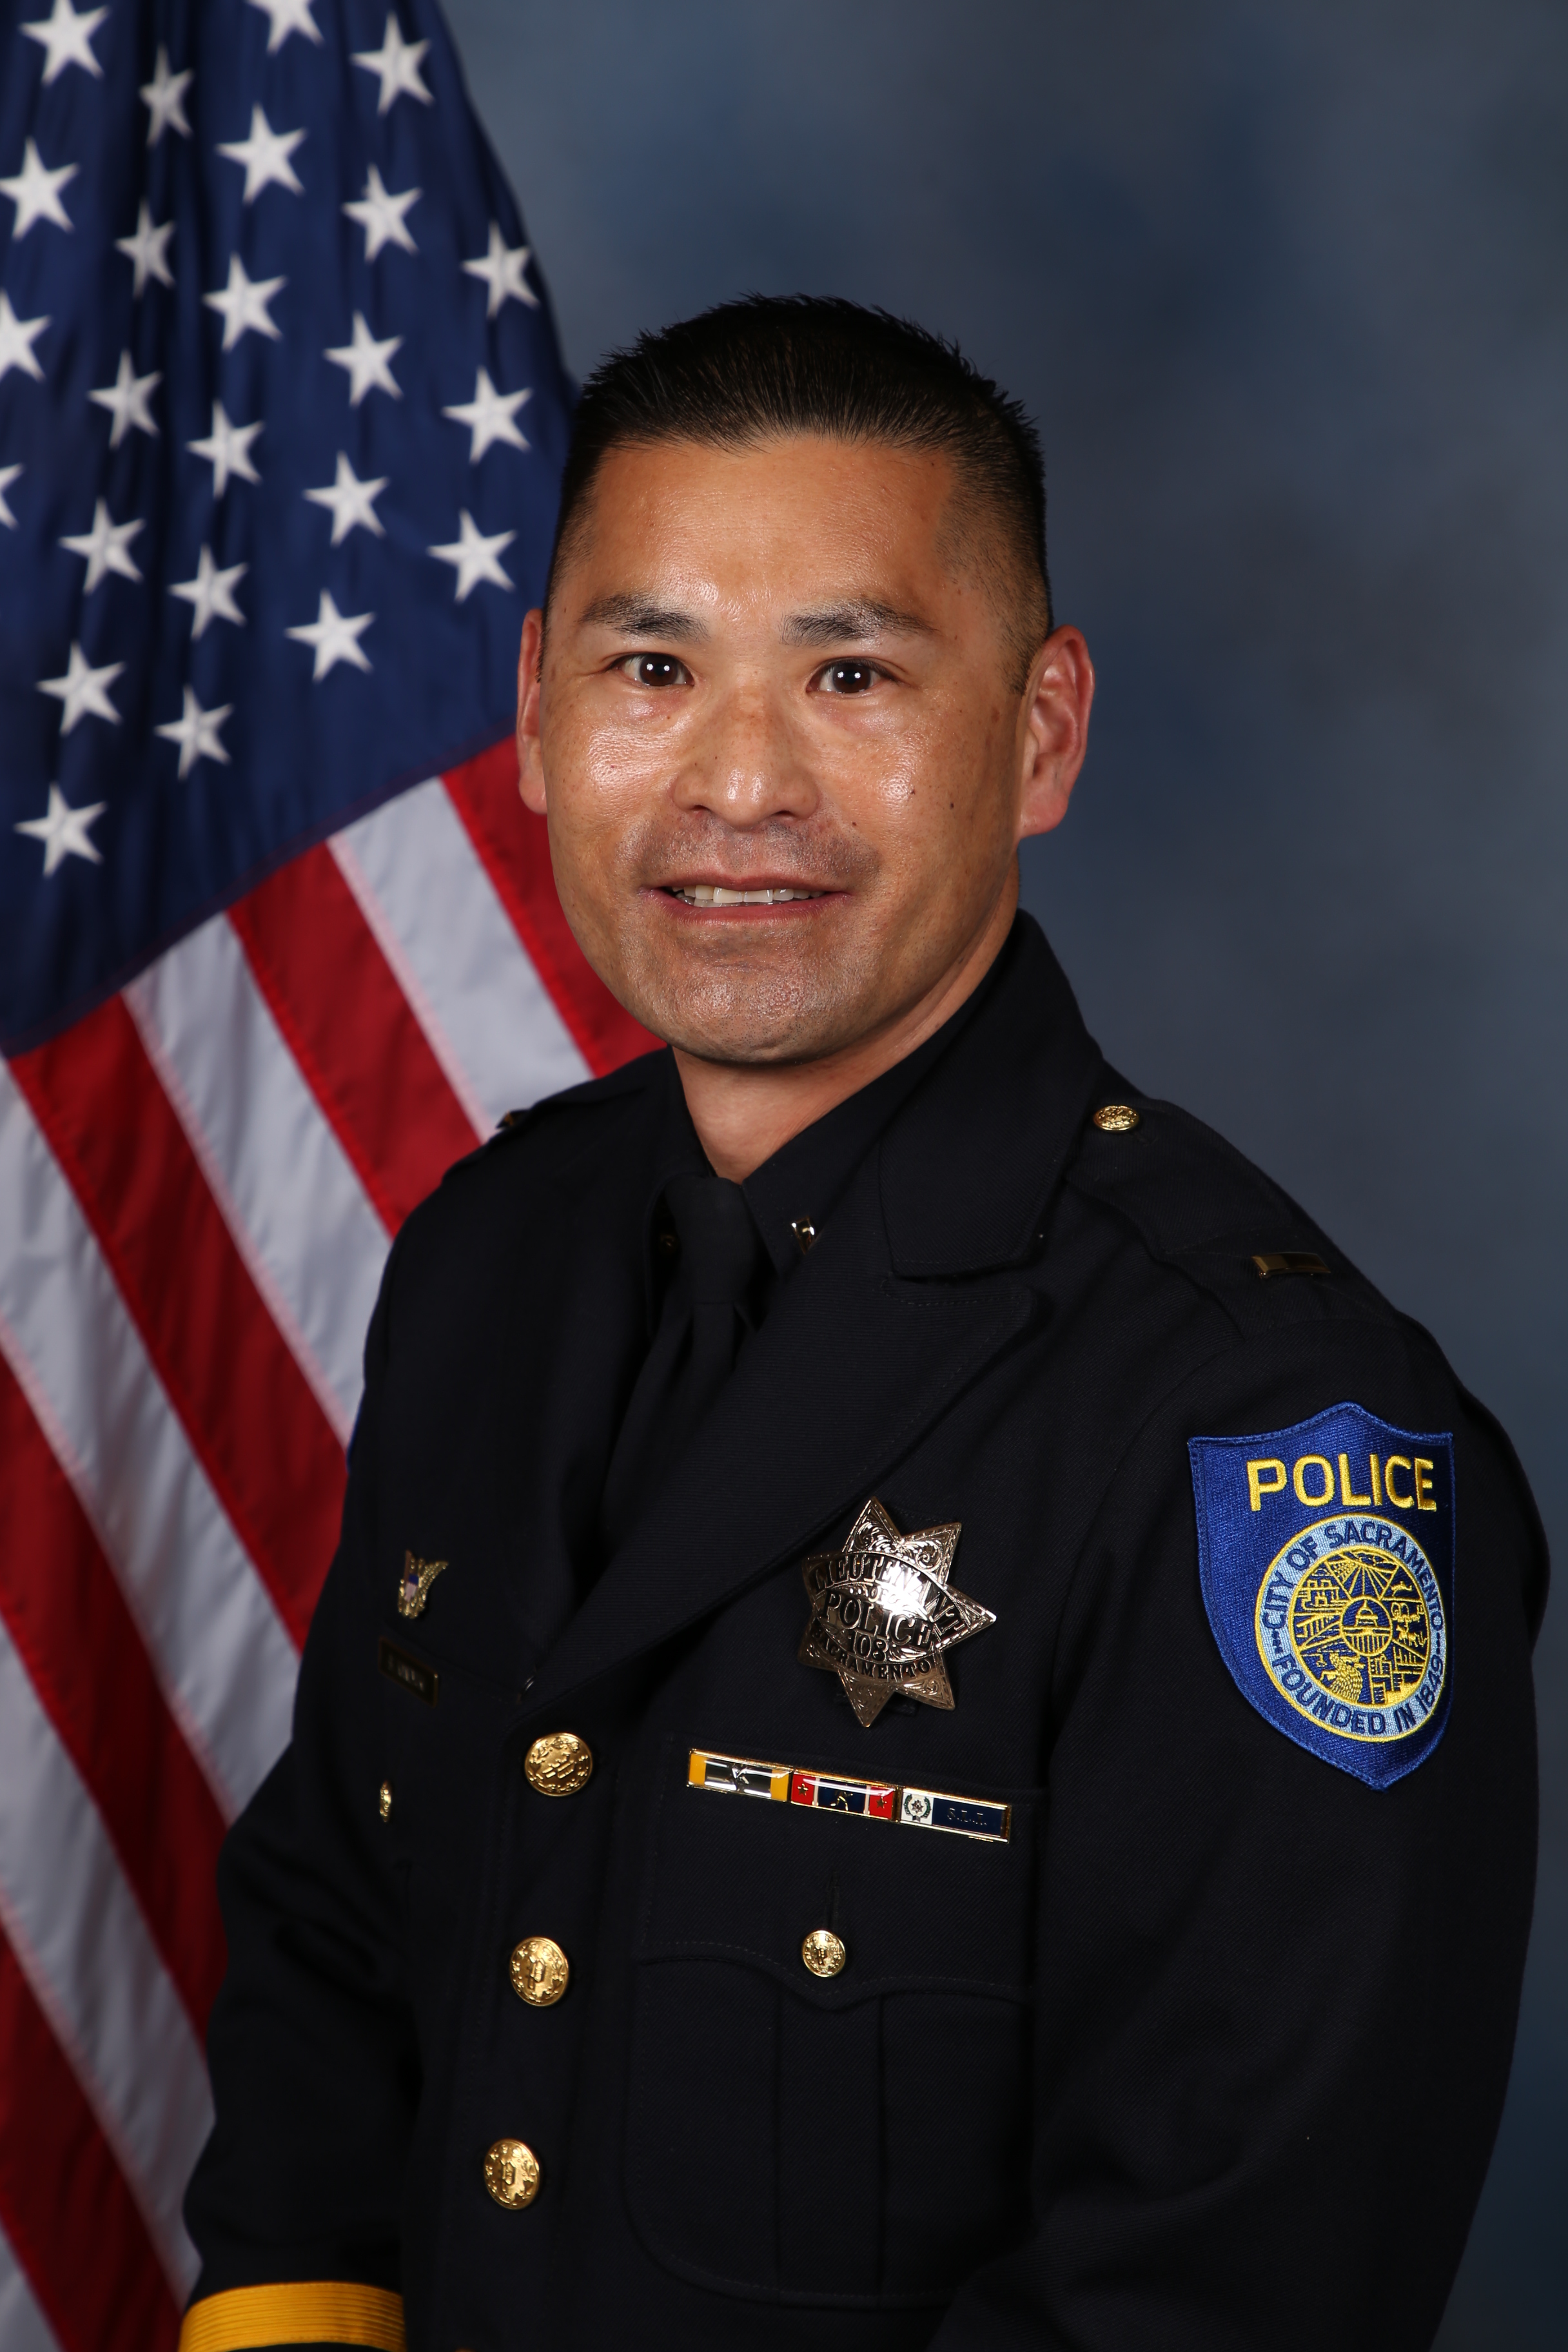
(922, 1733)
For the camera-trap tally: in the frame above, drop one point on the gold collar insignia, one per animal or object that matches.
(413, 1591)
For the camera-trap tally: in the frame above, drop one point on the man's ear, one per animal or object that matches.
(529, 688)
(1053, 731)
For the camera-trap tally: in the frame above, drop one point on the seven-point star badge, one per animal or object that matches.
(882, 1613)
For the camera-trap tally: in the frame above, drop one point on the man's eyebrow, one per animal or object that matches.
(852, 624)
(639, 616)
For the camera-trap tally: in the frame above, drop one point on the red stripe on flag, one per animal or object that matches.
(514, 847)
(66, 2211)
(86, 1660)
(351, 1029)
(262, 1438)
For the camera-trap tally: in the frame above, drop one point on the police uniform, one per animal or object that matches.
(1018, 1829)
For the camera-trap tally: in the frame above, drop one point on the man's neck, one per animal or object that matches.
(745, 1111)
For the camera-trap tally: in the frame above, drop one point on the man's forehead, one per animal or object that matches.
(828, 540)
(847, 619)
(800, 497)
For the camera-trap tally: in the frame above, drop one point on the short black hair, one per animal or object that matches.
(768, 365)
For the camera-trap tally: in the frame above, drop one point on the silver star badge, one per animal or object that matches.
(882, 1614)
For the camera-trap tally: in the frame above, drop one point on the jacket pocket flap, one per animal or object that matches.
(747, 1879)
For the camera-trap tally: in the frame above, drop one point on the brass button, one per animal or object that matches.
(559, 1764)
(512, 2174)
(540, 1971)
(824, 1952)
(384, 1801)
(1116, 1118)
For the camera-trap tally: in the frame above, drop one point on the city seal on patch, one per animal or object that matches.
(1326, 1555)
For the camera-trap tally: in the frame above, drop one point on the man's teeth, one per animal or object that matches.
(713, 893)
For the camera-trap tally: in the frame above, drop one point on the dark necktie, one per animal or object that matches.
(709, 1303)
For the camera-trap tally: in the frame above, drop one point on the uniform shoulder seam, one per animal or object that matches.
(630, 1077)
(591, 1094)
(1202, 1208)
(1178, 1178)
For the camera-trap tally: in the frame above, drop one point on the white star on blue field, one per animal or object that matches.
(268, 332)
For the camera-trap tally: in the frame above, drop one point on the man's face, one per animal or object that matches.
(767, 672)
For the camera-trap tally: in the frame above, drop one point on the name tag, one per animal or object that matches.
(411, 1674)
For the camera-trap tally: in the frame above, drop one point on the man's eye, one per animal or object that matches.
(655, 669)
(846, 677)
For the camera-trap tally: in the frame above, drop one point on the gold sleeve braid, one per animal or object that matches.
(309, 2311)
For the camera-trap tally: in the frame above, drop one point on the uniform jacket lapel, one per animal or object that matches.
(902, 1303)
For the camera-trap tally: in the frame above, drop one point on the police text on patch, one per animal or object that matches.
(1326, 1559)
(1266, 1477)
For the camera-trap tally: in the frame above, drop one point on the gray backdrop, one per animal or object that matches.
(1284, 285)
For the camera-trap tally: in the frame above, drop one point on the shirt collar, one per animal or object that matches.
(793, 1195)
(802, 1184)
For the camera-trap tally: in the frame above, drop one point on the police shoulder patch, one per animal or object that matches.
(1326, 1553)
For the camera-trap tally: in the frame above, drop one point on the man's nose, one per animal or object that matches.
(747, 765)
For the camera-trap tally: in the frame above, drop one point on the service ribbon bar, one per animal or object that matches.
(877, 1800)
(928, 1809)
(738, 1776)
(830, 1792)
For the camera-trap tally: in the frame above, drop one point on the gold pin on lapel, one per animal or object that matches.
(414, 1591)
(882, 1613)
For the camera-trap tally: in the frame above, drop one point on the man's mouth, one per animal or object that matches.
(715, 894)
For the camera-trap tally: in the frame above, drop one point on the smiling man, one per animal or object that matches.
(921, 1732)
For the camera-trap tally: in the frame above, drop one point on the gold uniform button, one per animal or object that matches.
(540, 1971)
(512, 2174)
(824, 1952)
(383, 1801)
(1116, 1118)
(559, 1764)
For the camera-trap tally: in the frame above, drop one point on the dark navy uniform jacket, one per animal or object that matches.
(1208, 2053)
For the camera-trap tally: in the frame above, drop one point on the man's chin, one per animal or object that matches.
(739, 1007)
(748, 1043)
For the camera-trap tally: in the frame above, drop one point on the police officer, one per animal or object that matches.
(922, 1730)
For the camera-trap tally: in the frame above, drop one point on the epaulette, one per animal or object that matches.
(625, 1080)
(587, 1095)
(1198, 1205)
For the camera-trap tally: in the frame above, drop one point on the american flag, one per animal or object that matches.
(281, 427)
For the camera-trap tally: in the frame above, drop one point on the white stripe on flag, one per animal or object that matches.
(385, 932)
(460, 961)
(82, 1943)
(22, 2327)
(219, 1648)
(298, 1213)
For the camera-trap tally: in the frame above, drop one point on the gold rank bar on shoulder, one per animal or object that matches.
(829, 1792)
